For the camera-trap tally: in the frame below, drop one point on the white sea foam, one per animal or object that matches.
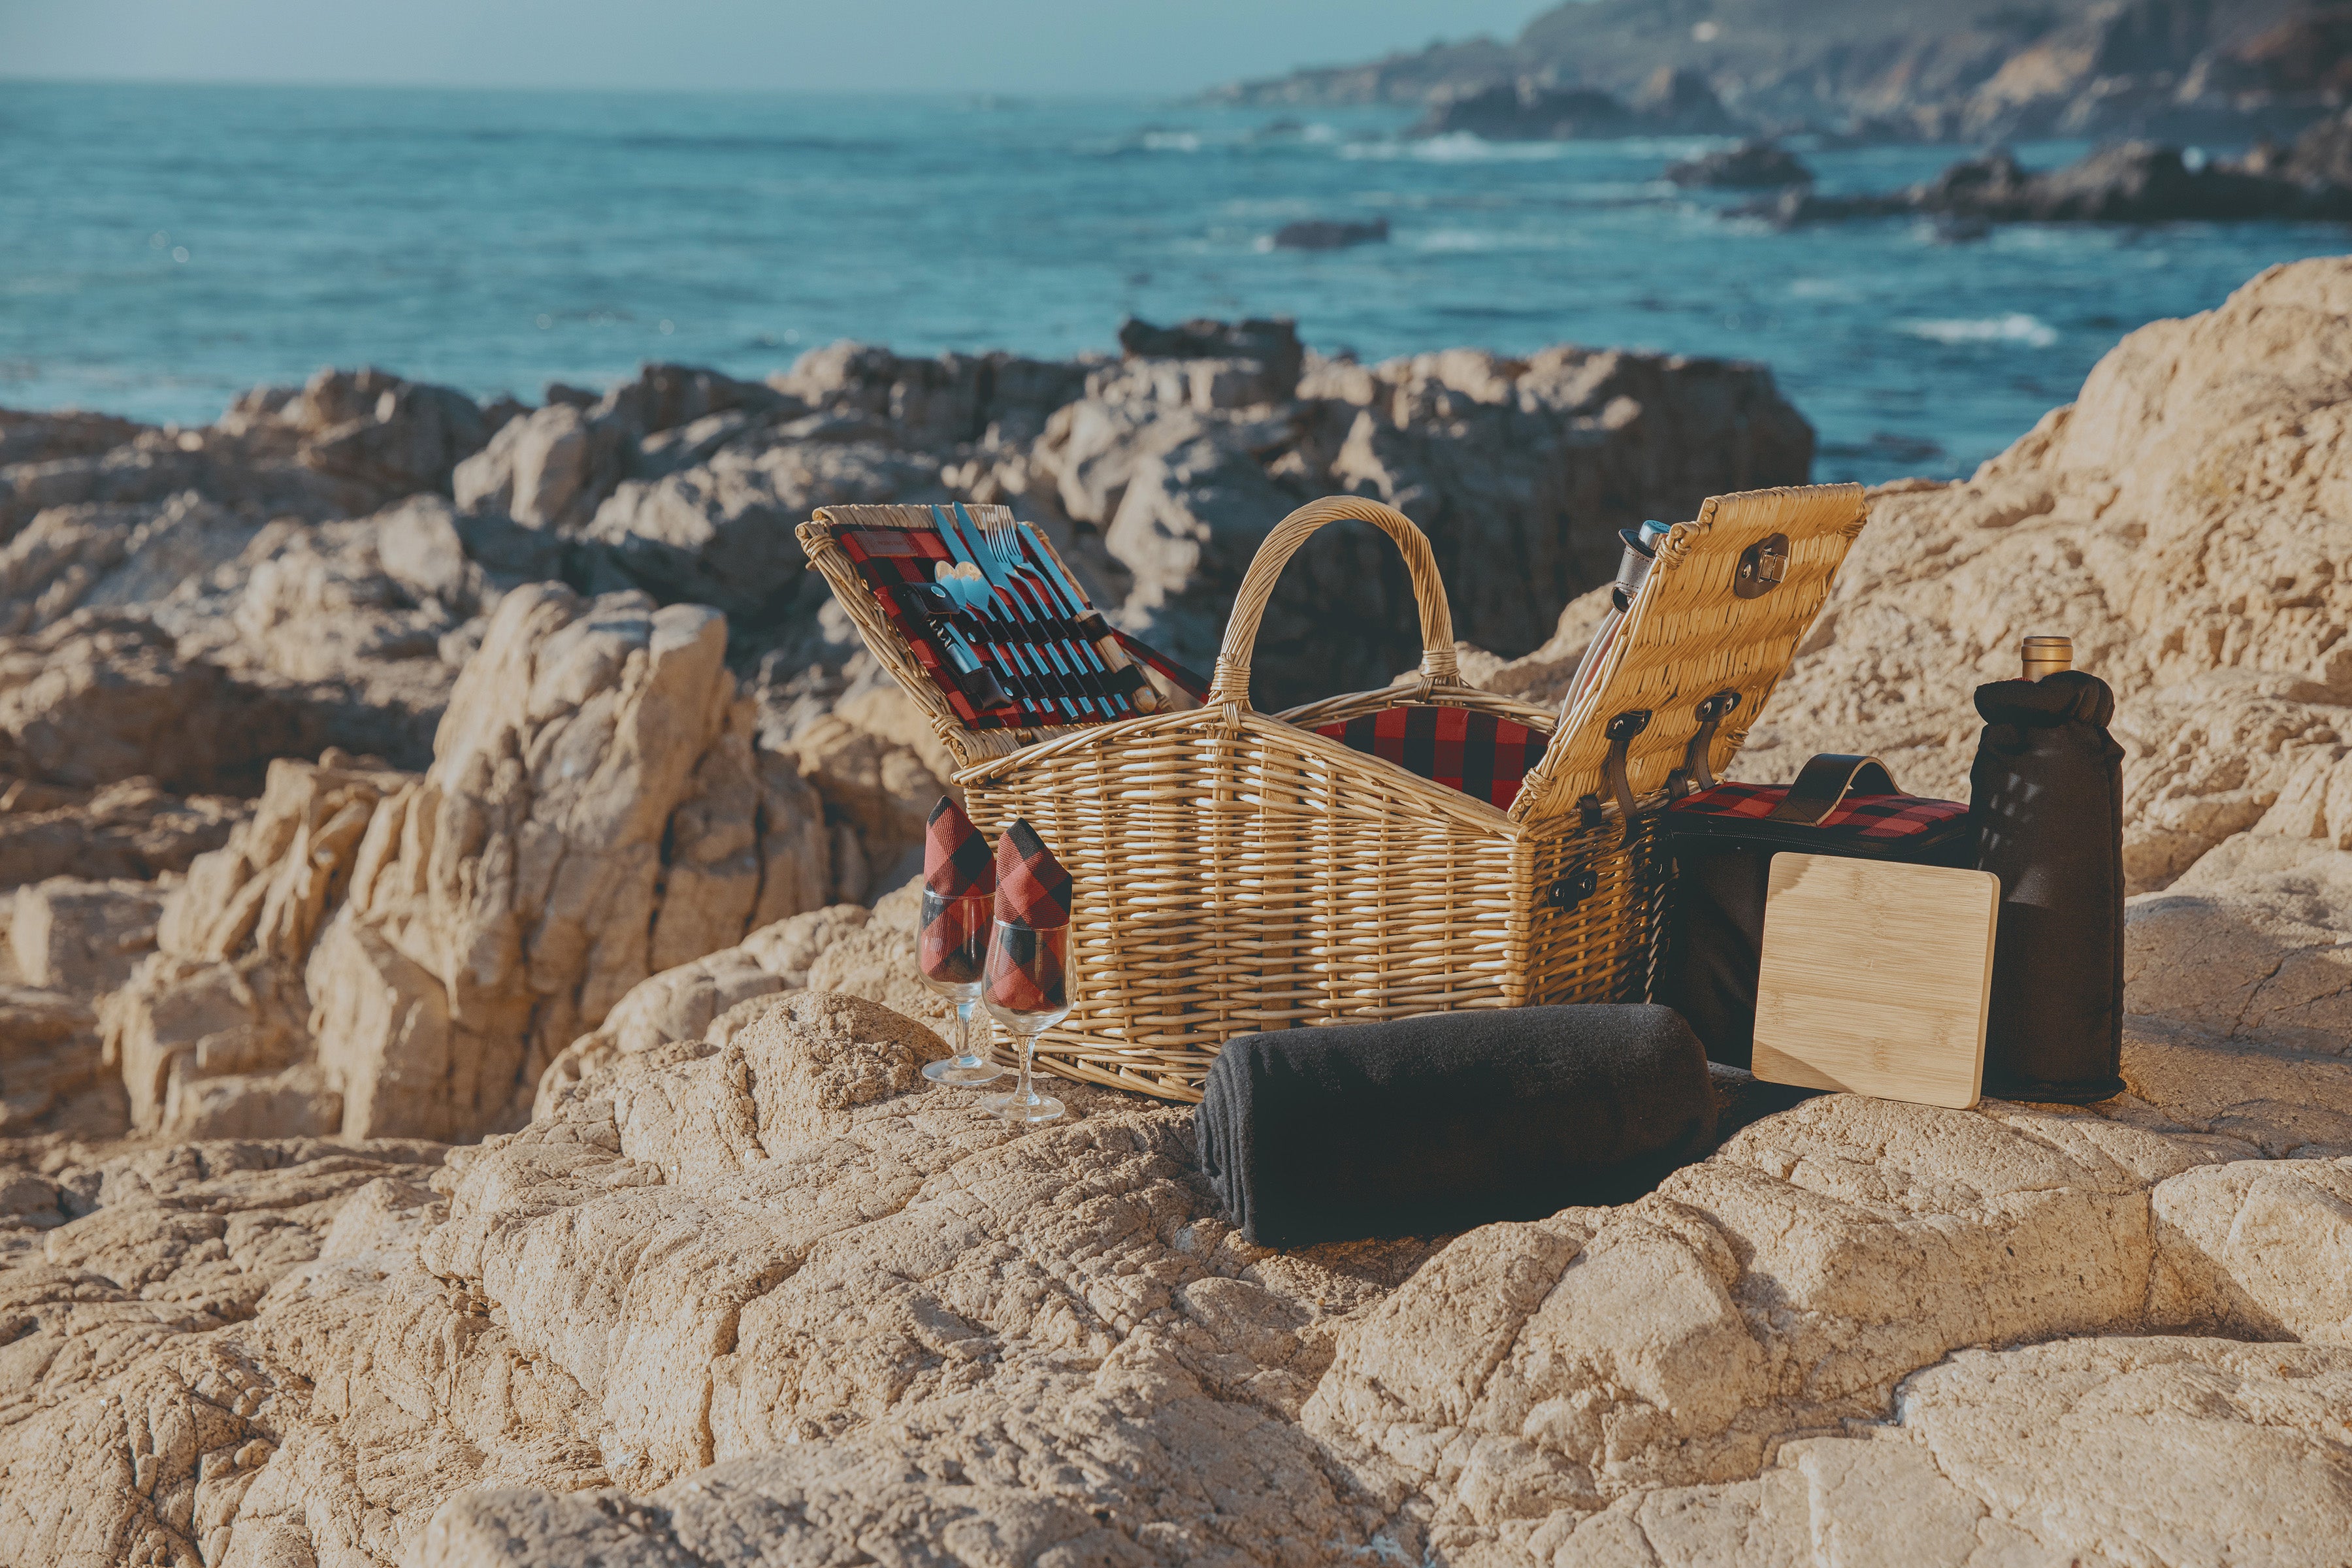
(1823, 288)
(2030, 331)
(1458, 147)
(1172, 142)
(1471, 241)
(1459, 239)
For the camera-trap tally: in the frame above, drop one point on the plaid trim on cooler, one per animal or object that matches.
(915, 553)
(1483, 755)
(1871, 816)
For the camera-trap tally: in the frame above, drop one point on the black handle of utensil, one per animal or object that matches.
(1055, 703)
(1126, 675)
(931, 608)
(1069, 609)
(1067, 655)
(1020, 641)
(1082, 666)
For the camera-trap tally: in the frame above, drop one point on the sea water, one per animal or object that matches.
(162, 248)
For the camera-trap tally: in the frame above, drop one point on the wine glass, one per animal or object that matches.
(952, 951)
(1027, 991)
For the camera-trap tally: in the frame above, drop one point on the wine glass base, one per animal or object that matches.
(1034, 1109)
(963, 1072)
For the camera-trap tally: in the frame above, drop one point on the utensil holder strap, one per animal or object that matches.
(1230, 683)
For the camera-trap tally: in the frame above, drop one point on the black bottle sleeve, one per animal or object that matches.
(2046, 800)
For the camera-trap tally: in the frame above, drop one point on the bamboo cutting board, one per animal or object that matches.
(1875, 978)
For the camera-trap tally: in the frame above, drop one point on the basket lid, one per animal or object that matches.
(1727, 603)
(890, 644)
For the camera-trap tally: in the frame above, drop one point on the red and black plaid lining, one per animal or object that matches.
(1481, 754)
(923, 551)
(1868, 816)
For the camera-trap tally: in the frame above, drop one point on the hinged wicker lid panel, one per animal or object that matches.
(1694, 632)
(858, 599)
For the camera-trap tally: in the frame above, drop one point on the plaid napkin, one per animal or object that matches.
(956, 868)
(1031, 889)
(1033, 898)
(956, 861)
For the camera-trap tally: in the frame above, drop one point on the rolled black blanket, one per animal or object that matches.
(1427, 1125)
(2047, 793)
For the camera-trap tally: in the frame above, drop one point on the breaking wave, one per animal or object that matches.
(2027, 332)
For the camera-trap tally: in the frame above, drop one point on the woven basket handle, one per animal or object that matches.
(1230, 684)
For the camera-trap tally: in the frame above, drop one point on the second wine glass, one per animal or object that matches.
(1027, 990)
(952, 951)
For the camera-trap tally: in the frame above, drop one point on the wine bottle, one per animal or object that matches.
(2046, 796)
(2046, 656)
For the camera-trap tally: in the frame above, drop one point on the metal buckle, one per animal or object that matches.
(1573, 889)
(1761, 567)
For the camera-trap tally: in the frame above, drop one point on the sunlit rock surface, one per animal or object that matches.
(726, 1283)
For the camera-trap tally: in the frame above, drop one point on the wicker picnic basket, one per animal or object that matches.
(1237, 872)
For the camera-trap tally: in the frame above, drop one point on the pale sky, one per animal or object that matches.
(1145, 47)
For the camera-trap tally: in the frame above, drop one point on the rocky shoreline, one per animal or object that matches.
(2132, 182)
(422, 591)
(459, 1051)
(2183, 71)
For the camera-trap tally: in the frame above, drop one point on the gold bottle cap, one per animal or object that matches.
(2047, 656)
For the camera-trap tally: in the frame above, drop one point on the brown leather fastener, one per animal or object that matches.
(1696, 774)
(1828, 779)
(1620, 733)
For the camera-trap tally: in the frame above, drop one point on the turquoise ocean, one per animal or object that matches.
(162, 248)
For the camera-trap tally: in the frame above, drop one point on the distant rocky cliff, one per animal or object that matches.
(2221, 71)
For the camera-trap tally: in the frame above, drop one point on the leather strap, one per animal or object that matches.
(1695, 774)
(1828, 779)
(1620, 731)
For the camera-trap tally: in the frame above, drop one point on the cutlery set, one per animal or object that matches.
(1001, 628)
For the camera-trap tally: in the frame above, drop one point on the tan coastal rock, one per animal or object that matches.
(49, 1055)
(83, 937)
(2185, 522)
(95, 555)
(218, 1013)
(547, 469)
(595, 811)
(743, 1289)
(686, 1003)
(102, 696)
(132, 830)
(419, 949)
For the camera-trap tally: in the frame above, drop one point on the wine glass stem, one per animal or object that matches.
(963, 1033)
(1028, 1052)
